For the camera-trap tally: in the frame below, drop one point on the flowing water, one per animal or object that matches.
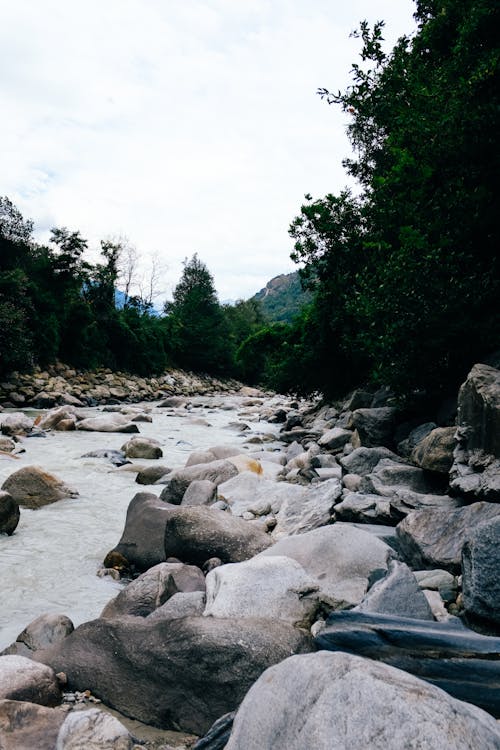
(49, 564)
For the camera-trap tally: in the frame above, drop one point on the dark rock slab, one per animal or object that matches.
(481, 575)
(9, 513)
(456, 659)
(218, 735)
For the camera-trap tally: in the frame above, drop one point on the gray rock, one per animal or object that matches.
(362, 508)
(93, 730)
(32, 487)
(110, 423)
(479, 409)
(362, 461)
(190, 604)
(9, 513)
(7, 445)
(434, 538)
(435, 451)
(359, 399)
(151, 474)
(438, 580)
(388, 475)
(28, 726)
(142, 447)
(339, 557)
(218, 471)
(343, 701)
(153, 588)
(480, 574)
(404, 501)
(301, 512)
(193, 535)
(397, 593)
(181, 674)
(22, 679)
(374, 426)
(274, 587)
(243, 491)
(199, 492)
(334, 440)
(218, 735)
(16, 423)
(41, 633)
(406, 446)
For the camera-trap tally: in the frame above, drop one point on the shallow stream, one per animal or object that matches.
(49, 564)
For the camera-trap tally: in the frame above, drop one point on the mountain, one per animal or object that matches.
(282, 298)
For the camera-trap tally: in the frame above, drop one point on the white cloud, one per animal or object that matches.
(185, 125)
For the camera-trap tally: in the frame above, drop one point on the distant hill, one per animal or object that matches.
(282, 298)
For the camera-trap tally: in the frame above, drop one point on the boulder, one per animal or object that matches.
(403, 502)
(7, 445)
(218, 471)
(388, 475)
(438, 580)
(41, 633)
(32, 487)
(480, 575)
(93, 730)
(245, 490)
(153, 588)
(142, 544)
(341, 559)
(307, 510)
(16, 423)
(51, 420)
(109, 423)
(375, 427)
(9, 513)
(183, 604)
(434, 538)
(479, 409)
(362, 508)
(435, 451)
(22, 679)
(196, 534)
(28, 726)
(218, 735)
(407, 446)
(449, 655)
(151, 474)
(199, 492)
(142, 447)
(276, 588)
(398, 593)
(362, 461)
(180, 674)
(334, 440)
(344, 701)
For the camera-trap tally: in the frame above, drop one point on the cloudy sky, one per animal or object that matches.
(184, 125)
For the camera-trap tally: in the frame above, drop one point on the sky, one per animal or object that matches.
(181, 125)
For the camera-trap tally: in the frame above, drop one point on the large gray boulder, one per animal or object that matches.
(375, 427)
(340, 558)
(16, 423)
(389, 475)
(9, 513)
(362, 461)
(40, 633)
(303, 511)
(180, 674)
(196, 534)
(435, 451)
(93, 730)
(183, 604)
(398, 593)
(333, 440)
(276, 588)
(22, 679)
(479, 409)
(109, 423)
(153, 588)
(344, 701)
(434, 538)
(32, 487)
(481, 574)
(151, 474)
(200, 492)
(218, 471)
(364, 508)
(142, 447)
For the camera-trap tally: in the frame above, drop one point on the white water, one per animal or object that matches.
(49, 564)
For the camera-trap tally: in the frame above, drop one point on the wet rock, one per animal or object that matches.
(435, 451)
(32, 487)
(344, 701)
(434, 538)
(398, 593)
(457, 659)
(142, 447)
(9, 513)
(153, 588)
(374, 426)
(480, 575)
(16, 423)
(110, 423)
(218, 471)
(341, 559)
(151, 474)
(193, 535)
(151, 670)
(22, 679)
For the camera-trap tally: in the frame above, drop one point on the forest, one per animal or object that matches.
(402, 272)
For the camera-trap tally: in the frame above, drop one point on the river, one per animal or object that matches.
(49, 564)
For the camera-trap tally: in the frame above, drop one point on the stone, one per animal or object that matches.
(199, 492)
(152, 474)
(273, 587)
(480, 575)
(218, 471)
(41, 633)
(153, 588)
(142, 447)
(182, 604)
(22, 679)
(173, 401)
(334, 440)
(343, 701)
(362, 508)
(9, 513)
(32, 487)
(406, 446)
(403, 501)
(109, 423)
(362, 461)
(16, 423)
(51, 420)
(449, 655)
(479, 409)
(438, 580)
(195, 534)
(117, 458)
(181, 674)
(388, 475)
(341, 558)
(7, 445)
(435, 451)
(434, 538)
(28, 726)
(307, 510)
(142, 543)
(374, 426)
(93, 730)
(245, 490)
(398, 593)
(218, 735)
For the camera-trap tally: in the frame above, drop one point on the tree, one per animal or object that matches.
(197, 328)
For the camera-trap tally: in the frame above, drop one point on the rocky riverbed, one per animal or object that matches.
(253, 554)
